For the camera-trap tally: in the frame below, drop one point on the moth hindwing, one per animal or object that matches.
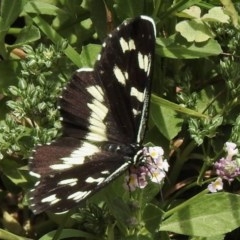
(104, 112)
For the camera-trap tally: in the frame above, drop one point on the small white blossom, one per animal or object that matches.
(215, 186)
(231, 149)
(155, 152)
(228, 168)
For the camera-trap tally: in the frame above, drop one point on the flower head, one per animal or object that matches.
(154, 152)
(136, 178)
(156, 175)
(151, 167)
(215, 186)
(226, 167)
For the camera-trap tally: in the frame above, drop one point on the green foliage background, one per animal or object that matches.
(194, 111)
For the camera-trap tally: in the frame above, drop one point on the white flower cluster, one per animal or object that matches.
(226, 168)
(153, 168)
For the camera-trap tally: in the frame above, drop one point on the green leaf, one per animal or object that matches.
(192, 12)
(152, 217)
(11, 170)
(179, 6)
(216, 14)
(148, 193)
(213, 95)
(41, 7)
(9, 11)
(229, 7)
(164, 115)
(205, 216)
(68, 233)
(8, 71)
(27, 35)
(138, 237)
(166, 120)
(175, 47)
(3, 110)
(10, 236)
(121, 212)
(99, 17)
(89, 54)
(176, 107)
(219, 237)
(194, 30)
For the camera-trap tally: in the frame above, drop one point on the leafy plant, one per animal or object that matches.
(194, 116)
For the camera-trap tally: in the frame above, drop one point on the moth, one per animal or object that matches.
(104, 113)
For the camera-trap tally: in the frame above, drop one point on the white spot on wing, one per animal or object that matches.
(96, 123)
(34, 174)
(131, 45)
(77, 157)
(52, 199)
(85, 70)
(96, 91)
(144, 62)
(135, 112)
(77, 196)
(92, 180)
(71, 182)
(37, 183)
(96, 137)
(127, 46)
(137, 94)
(120, 75)
(60, 166)
(97, 128)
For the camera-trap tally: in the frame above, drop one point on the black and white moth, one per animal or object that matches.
(104, 114)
